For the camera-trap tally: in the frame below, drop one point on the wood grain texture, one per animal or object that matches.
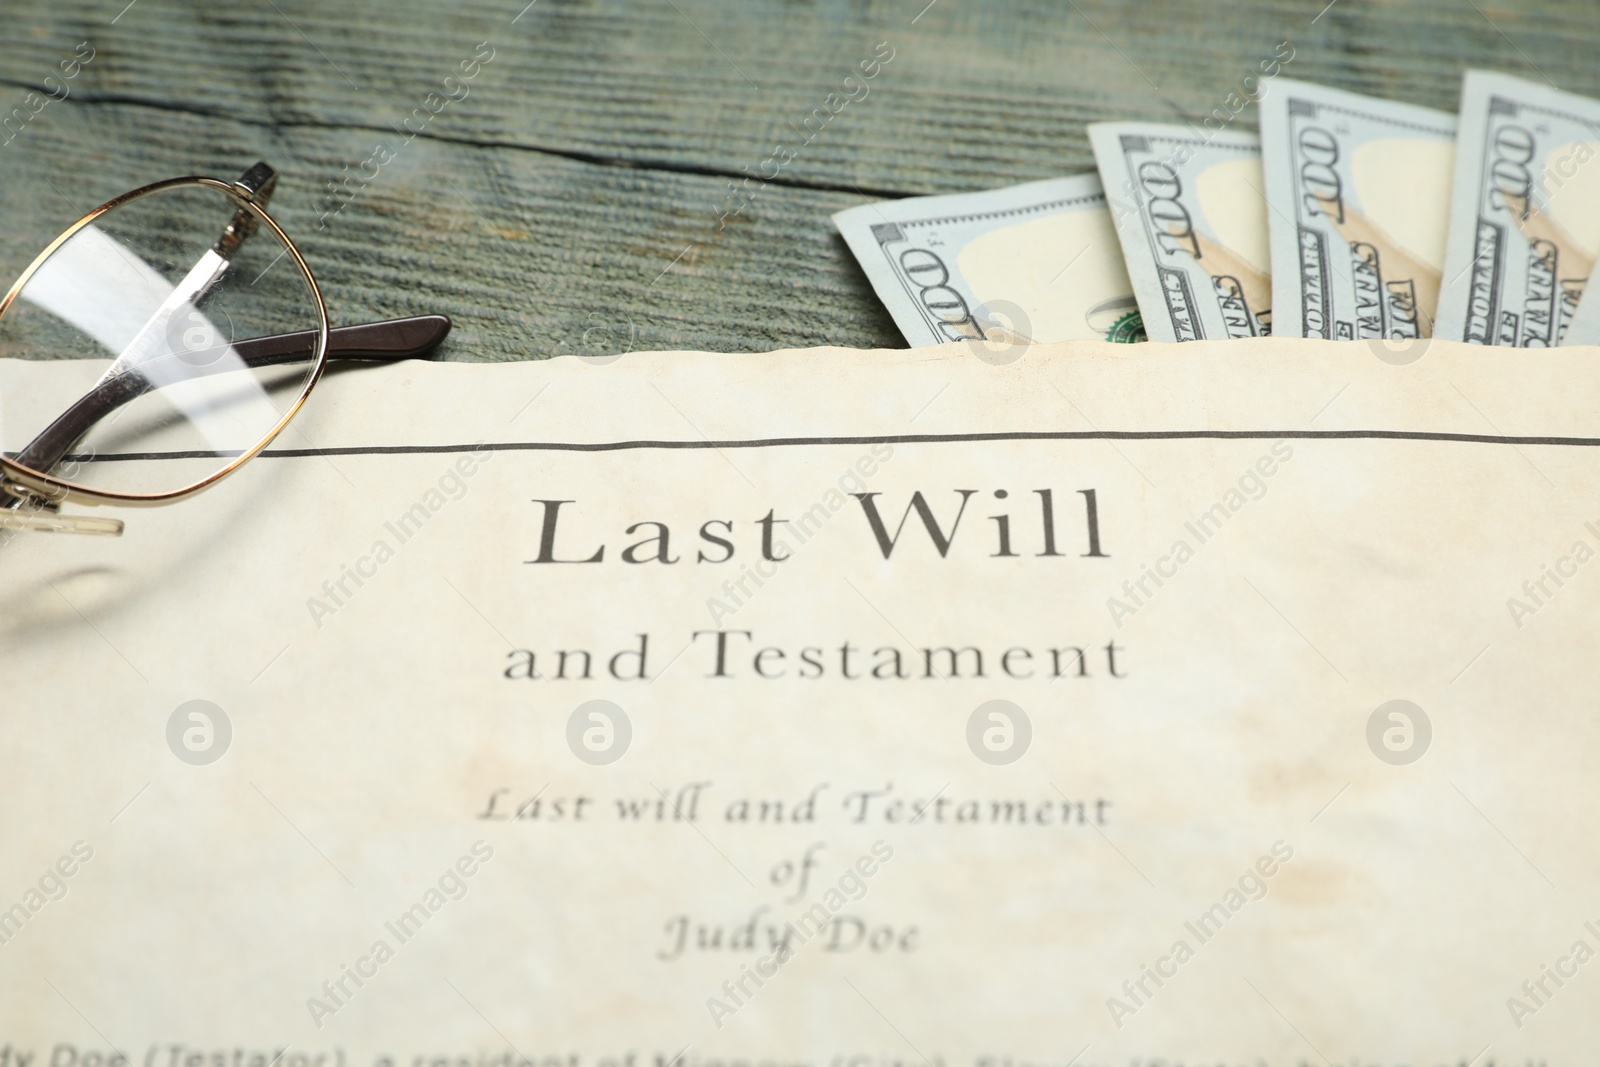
(569, 200)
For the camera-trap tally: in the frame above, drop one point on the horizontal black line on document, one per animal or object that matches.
(887, 439)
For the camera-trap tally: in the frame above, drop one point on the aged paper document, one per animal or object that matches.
(1230, 703)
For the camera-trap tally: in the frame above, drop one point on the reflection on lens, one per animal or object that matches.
(153, 326)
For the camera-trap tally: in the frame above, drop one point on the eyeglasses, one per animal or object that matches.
(213, 343)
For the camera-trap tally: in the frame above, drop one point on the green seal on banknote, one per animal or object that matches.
(1127, 330)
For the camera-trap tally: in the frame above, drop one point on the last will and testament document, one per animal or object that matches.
(1230, 703)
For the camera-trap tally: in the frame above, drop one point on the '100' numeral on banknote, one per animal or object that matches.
(1359, 191)
(1521, 249)
(1549, 299)
(1037, 262)
(1195, 240)
(1381, 309)
(927, 277)
(1172, 230)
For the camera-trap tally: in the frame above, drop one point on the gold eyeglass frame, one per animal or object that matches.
(401, 338)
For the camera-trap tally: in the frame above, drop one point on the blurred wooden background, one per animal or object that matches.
(566, 198)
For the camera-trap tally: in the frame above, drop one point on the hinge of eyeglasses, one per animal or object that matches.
(254, 185)
(257, 183)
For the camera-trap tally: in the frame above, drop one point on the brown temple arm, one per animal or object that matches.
(393, 339)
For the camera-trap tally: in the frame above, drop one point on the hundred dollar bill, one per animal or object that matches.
(1524, 213)
(1192, 217)
(1358, 192)
(1036, 262)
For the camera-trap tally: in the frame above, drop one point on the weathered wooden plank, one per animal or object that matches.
(533, 255)
(593, 152)
(975, 92)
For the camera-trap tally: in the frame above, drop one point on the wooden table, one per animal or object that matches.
(574, 194)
